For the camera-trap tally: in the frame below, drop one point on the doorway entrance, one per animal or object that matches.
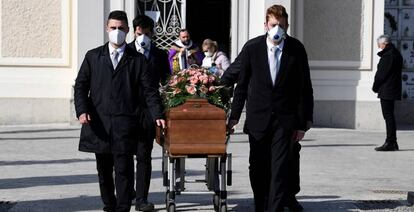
(209, 19)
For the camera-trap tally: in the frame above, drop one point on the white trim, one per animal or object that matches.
(63, 61)
(183, 14)
(130, 6)
(366, 45)
(234, 27)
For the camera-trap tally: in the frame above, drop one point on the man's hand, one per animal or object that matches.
(230, 125)
(84, 118)
(298, 135)
(160, 123)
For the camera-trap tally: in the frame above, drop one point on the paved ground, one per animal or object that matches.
(41, 170)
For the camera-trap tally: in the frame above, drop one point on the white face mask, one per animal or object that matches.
(276, 34)
(208, 54)
(143, 41)
(116, 37)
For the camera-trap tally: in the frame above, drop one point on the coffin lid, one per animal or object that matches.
(196, 109)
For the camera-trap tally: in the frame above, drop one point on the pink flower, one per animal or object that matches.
(197, 74)
(180, 79)
(193, 80)
(192, 72)
(173, 82)
(203, 89)
(212, 89)
(191, 89)
(203, 79)
(182, 72)
(176, 91)
(211, 79)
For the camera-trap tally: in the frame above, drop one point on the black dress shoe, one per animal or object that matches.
(109, 209)
(144, 206)
(388, 146)
(293, 205)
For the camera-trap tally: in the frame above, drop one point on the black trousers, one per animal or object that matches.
(124, 180)
(274, 168)
(144, 166)
(387, 107)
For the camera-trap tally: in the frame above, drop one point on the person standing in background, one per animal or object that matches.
(216, 61)
(387, 84)
(183, 53)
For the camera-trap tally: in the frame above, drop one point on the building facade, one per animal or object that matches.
(43, 44)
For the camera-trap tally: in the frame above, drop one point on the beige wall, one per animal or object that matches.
(37, 64)
(31, 28)
(332, 29)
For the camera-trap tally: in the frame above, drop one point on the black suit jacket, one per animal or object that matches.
(111, 97)
(290, 100)
(157, 63)
(388, 77)
(159, 70)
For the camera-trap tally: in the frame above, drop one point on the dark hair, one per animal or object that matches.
(144, 22)
(118, 15)
(184, 30)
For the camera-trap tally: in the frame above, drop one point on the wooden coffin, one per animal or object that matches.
(195, 128)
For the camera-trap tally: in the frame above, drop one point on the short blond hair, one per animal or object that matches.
(210, 44)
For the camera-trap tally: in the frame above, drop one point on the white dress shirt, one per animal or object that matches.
(143, 50)
(120, 51)
(273, 64)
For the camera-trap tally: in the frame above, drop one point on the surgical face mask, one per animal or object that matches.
(116, 37)
(277, 33)
(208, 54)
(143, 41)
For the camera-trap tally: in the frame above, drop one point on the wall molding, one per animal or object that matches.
(366, 61)
(63, 61)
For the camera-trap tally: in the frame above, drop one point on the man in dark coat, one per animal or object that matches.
(387, 84)
(160, 70)
(275, 80)
(107, 105)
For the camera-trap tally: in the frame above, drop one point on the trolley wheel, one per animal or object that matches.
(223, 208)
(216, 201)
(171, 207)
(167, 198)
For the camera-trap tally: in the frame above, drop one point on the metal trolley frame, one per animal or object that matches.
(218, 175)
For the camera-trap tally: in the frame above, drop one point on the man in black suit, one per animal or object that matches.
(107, 105)
(275, 81)
(387, 84)
(160, 70)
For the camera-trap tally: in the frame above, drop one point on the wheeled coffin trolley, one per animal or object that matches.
(195, 129)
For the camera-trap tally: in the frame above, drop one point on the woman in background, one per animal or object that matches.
(215, 61)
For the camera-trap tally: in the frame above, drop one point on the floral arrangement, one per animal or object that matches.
(195, 82)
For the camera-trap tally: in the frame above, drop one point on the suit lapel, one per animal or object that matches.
(283, 62)
(106, 57)
(265, 60)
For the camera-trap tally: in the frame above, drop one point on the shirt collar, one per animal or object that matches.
(120, 49)
(139, 47)
(271, 46)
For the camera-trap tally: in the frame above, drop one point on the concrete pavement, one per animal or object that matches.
(41, 170)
